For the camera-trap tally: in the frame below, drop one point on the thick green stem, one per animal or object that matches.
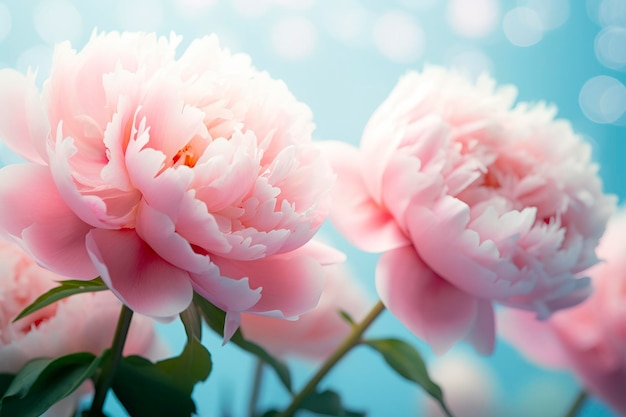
(256, 387)
(349, 342)
(577, 404)
(107, 371)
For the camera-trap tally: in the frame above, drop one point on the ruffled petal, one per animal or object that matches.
(159, 232)
(23, 123)
(355, 213)
(137, 275)
(429, 306)
(33, 212)
(482, 335)
(290, 284)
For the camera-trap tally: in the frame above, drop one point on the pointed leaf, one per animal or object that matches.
(66, 289)
(146, 390)
(215, 318)
(347, 318)
(328, 403)
(44, 382)
(408, 363)
(192, 366)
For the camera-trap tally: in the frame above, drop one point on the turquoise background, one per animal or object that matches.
(343, 79)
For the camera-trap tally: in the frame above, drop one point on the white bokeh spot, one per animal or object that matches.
(523, 26)
(612, 13)
(610, 47)
(294, 38)
(58, 20)
(473, 18)
(603, 99)
(399, 37)
(552, 13)
(350, 22)
(141, 15)
(5, 21)
(251, 8)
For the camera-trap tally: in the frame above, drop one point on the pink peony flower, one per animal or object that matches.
(81, 323)
(166, 176)
(316, 334)
(589, 339)
(472, 201)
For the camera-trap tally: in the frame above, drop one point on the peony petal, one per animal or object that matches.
(444, 242)
(290, 285)
(325, 254)
(137, 275)
(356, 215)
(23, 123)
(535, 339)
(425, 303)
(33, 212)
(482, 335)
(159, 232)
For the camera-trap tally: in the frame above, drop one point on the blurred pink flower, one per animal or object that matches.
(166, 176)
(315, 334)
(81, 323)
(472, 202)
(589, 339)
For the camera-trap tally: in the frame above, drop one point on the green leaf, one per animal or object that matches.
(408, 363)
(215, 318)
(66, 289)
(328, 403)
(347, 317)
(145, 390)
(43, 382)
(5, 382)
(192, 366)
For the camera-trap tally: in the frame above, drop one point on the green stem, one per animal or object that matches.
(256, 387)
(577, 404)
(105, 379)
(353, 339)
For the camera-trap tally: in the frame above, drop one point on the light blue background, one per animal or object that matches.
(343, 81)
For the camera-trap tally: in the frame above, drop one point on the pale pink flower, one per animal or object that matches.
(472, 201)
(166, 176)
(316, 334)
(81, 323)
(589, 339)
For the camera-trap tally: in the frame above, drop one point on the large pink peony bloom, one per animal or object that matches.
(316, 334)
(82, 323)
(165, 176)
(471, 201)
(589, 339)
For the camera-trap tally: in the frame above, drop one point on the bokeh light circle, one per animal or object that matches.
(294, 37)
(523, 26)
(603, 99)
(398, 36)
(350, 22)
(58, 20)
(5, 21)
(473, 18)
(552, 13)
(610, 47)
(141, 15)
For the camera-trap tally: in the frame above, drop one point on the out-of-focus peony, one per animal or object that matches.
(469, 386)
(166, 175)
(81, 323)
(316, 334)
(472, 201)
(589, 339)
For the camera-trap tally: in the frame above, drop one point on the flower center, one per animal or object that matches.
(185, 156)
